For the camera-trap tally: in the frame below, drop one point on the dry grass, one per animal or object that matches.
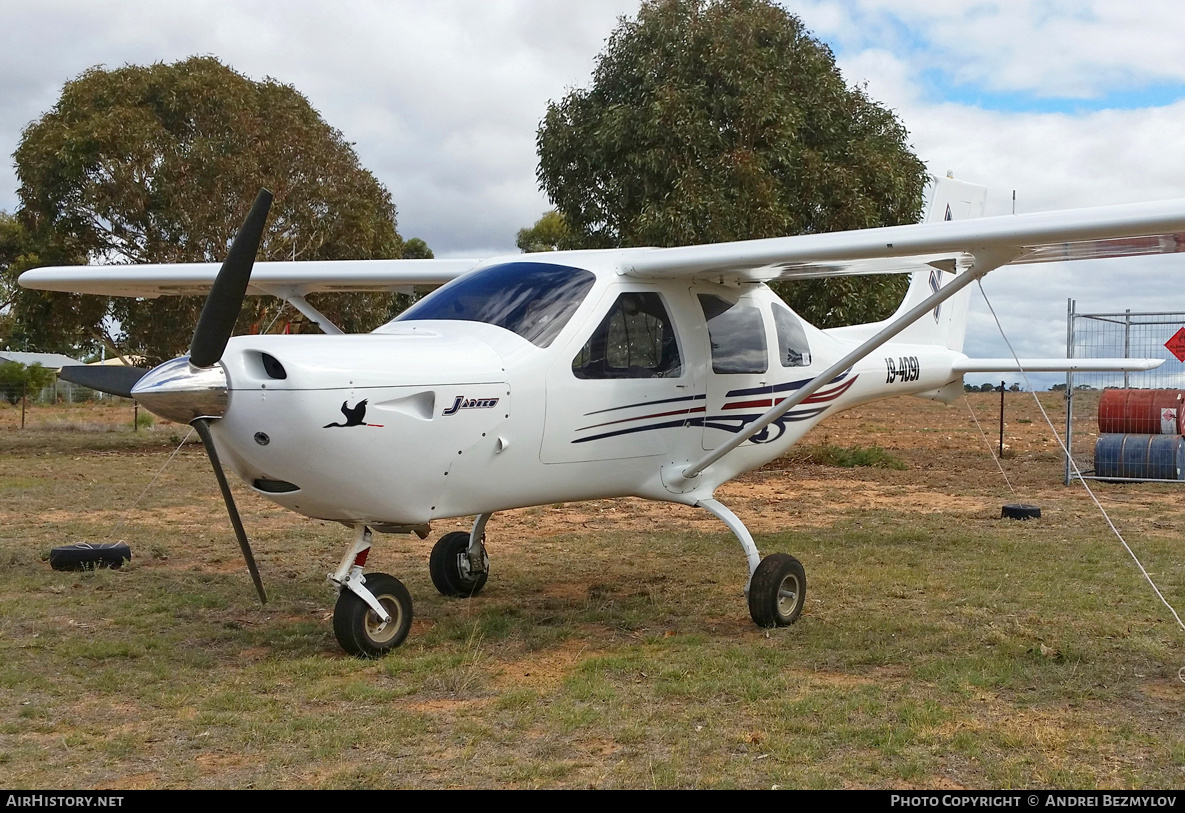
(941, 646)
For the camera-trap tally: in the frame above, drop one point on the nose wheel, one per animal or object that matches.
(361, 630)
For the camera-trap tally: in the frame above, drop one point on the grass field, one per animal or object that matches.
(941, 646)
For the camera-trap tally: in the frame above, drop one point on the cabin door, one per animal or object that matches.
(624, 390)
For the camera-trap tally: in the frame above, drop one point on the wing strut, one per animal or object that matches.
(295, 298)
(984, 262)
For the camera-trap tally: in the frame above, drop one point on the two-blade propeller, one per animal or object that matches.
(213, 331)
(210, 337)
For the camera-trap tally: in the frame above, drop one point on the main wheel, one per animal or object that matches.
(777, 591)
(450, 575)
(359, 629)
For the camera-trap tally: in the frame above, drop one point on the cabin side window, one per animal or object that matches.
(793, 350)
(737, 334)
(635, 340)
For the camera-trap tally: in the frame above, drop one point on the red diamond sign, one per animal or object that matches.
(1176, 345)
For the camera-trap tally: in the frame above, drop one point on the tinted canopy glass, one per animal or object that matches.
(534, 300)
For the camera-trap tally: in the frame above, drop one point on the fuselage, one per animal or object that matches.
(599, 386)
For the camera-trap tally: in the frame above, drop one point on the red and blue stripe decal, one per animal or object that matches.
(691, 410)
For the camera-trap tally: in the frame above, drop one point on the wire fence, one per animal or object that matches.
(59, 392)
(1124, 334)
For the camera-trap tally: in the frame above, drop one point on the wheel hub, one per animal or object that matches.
(379, 630)
(788, 595)
(465, 564)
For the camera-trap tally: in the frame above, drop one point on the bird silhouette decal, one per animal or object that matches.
(355, 415)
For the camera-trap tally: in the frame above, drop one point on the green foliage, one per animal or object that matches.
(159, 164)
(849, 457)
(550, 233)
(417, 249)
(16, 380)
(13, 255)
(716, 120)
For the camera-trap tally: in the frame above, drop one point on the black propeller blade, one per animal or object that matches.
(225, 300)
(203, 429)
(213, 330)
(110, 379)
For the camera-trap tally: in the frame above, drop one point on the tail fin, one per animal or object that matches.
(949, 200)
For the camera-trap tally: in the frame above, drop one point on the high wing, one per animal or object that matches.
(281, 279)
(1106, 231)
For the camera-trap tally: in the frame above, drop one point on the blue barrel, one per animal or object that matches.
(1141, 457)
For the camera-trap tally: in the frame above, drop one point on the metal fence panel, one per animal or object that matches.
(1123, 334)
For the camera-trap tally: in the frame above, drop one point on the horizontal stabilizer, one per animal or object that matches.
(1055, 365)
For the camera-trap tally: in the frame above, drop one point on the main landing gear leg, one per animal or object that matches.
(777, 584)
(373, 613)
(459, 565)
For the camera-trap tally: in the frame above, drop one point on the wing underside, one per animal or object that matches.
(1102, 232)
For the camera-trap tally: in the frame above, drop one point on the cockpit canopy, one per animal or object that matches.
(534, 300)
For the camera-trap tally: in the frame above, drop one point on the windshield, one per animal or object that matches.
(534, 300)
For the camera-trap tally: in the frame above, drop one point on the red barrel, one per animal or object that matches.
(1142, 412)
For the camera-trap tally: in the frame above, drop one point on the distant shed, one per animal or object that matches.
(50, 361)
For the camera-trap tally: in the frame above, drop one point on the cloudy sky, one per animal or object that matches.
(1067, 102)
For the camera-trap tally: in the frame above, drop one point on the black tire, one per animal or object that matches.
(359, 629)
(777, 591)
(445, 569)
(1020, 511)
(88, 557)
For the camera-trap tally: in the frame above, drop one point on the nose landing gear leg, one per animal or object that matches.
(373, 612)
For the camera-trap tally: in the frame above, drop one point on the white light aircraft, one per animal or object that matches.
(658, 373)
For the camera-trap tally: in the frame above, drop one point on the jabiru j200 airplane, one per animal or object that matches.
(533, 379)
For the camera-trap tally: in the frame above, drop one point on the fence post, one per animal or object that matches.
(1127, 343)
(24, 400)
(1001, 419)
(1069, 386)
